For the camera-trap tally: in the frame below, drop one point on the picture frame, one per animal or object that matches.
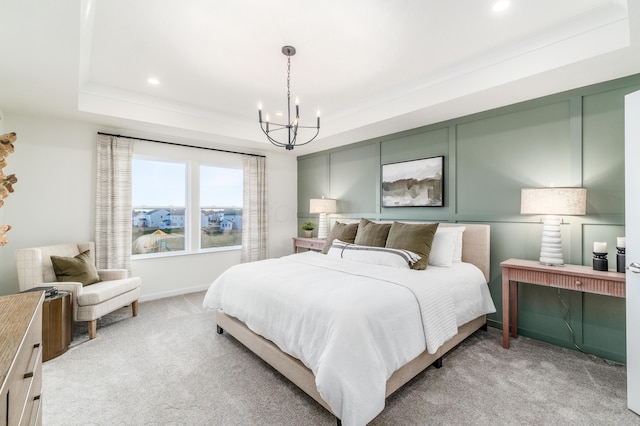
(414, 183)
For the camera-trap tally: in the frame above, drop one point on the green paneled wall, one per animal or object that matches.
(352, 173)
(574, 138)
(498, 156)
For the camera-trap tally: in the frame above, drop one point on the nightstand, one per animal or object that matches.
(568, 277)
(308, 243)
(56, 324)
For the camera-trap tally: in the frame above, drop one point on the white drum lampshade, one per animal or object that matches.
(553, 202)
(322, 206)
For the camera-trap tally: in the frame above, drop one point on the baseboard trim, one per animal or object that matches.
(179, 292)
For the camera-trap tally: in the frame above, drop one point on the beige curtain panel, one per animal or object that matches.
(254, 210)
(113, 202)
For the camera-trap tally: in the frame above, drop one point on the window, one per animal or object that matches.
(187, 205)
(220, 206)
(159, 206)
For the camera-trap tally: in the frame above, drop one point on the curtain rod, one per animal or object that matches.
(179, 144)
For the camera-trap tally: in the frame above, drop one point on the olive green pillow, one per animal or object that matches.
(372, 234)
(416, 237)
(341, 231)
(79, 269)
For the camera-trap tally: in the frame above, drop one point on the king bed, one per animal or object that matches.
(351, 325)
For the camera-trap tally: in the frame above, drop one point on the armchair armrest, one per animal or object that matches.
(70, 286)
(112, 274)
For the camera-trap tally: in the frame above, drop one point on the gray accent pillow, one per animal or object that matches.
(383, 256)
(372, 234)
(79, 269)
(415, 237)
(340, 231)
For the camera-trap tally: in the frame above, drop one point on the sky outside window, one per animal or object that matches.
(158, 183)
(220, 187)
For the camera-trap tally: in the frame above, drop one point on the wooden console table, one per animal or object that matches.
(308, 243)
(568, 277)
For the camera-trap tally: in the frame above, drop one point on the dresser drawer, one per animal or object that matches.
(314, 245)
(27, 373)
(308, 243)
(603, 286)
(590, 285)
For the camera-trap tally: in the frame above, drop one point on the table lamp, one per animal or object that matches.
(322, 206)
(553, 202)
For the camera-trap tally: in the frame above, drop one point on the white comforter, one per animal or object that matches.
(352, 324)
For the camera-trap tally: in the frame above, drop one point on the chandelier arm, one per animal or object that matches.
(278, 127)
(310, 140)
(272, 140)
(295, 133)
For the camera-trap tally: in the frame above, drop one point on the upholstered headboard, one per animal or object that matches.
(476, 245)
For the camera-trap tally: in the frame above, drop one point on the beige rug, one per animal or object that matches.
(169, 367)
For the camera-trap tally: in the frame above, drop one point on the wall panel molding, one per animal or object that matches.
(573, 138)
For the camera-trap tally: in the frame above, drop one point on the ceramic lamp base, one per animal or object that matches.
(551, 246)
(322, 226)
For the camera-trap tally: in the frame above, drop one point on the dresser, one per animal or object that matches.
(21, 359)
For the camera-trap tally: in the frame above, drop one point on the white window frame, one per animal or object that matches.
(193, 158)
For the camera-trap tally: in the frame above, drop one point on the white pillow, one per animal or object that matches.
(446, 248)
(384, 256)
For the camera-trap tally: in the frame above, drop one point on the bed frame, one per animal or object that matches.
(475, 250)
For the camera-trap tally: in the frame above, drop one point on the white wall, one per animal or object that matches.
(54, 199)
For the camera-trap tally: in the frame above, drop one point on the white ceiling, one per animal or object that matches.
(371, 67)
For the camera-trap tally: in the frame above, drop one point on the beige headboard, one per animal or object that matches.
(476, 242)
(476, 245)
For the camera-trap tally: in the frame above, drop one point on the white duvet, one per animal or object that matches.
(352, 324)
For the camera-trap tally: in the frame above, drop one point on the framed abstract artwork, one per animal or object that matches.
(416, 183)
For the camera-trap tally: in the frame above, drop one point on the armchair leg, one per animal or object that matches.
(134, 308)
(92, 329)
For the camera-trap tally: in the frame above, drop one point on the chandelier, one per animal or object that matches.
(292, 126)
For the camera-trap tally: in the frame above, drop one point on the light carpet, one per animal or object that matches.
(169, 367)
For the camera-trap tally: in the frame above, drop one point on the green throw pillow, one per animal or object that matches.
(341, 231)
(372, 234)
(79, 269)
(416, 237)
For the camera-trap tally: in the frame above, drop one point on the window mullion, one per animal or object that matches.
(193, 203)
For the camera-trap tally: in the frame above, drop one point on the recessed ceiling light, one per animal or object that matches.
(500, 5)
(154, 81)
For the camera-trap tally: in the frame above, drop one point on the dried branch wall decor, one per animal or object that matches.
(6, 181)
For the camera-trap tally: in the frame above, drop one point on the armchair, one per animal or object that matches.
(90, 302)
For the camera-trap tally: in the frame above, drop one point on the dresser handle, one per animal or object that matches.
(36, 356)
(578, 282)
